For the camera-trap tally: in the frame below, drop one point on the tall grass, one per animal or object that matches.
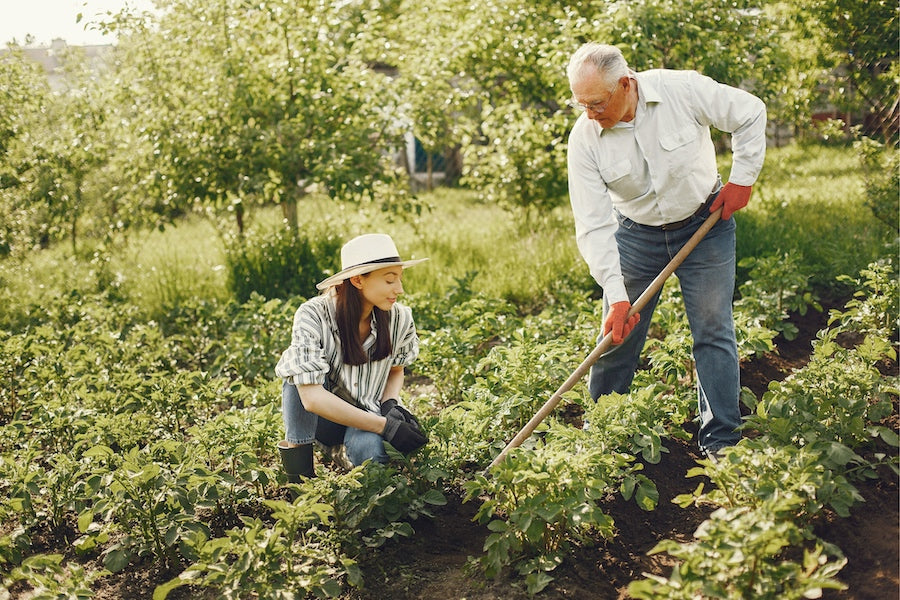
(501, 256)
(161, 270)
(810, 201)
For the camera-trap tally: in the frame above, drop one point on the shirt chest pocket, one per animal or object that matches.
(623, 179)
(680, 149)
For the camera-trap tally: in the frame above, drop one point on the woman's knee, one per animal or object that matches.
(364, 445)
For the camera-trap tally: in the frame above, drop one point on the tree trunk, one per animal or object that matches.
(239, 217)
(289, 210)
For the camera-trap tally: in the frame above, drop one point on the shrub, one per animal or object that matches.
(279, 263)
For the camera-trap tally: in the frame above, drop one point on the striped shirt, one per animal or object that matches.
(315, 357)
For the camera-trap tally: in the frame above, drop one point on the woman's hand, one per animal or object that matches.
(402, 429)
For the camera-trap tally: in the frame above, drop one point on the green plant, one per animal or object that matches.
(50, 579)
(873, 308)
(881, 178)
(836, 403)
(793, 482)
(537, 503)
(278, 561)
(372, 505)
(278, 264)
(777, 286)
(21, 486)
(13, 547)
(468, 330)
(737, 554)
(259, 330)
(753, 336)
(521, 374)
(152, 497)
(237, 447)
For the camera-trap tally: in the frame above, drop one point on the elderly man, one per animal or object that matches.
(642, 179)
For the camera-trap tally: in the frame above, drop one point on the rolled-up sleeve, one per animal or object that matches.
(306, 360)
(405, 338)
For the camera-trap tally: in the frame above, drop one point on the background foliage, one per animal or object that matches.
(204, 180)
(222, 107)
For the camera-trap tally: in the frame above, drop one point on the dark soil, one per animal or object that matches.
(433, 564)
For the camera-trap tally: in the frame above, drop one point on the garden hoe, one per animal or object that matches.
(606, 342)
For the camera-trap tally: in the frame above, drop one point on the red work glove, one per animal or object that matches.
(733, 198)
(618, 321)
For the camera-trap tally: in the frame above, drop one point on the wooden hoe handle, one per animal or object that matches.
(604, 344)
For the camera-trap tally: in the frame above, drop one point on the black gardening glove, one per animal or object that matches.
(400, 412)
(404, 435)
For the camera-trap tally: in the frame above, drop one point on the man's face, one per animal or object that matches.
(606, 107)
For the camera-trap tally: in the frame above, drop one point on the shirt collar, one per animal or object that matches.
(646, 92)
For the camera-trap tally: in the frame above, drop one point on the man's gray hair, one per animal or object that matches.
(606, 59)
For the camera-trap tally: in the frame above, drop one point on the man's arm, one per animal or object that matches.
(595, 221)
(740, 113)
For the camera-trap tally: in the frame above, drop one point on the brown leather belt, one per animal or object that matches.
(679, 224)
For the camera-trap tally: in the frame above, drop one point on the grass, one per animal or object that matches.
(808, 202)
(162, 270)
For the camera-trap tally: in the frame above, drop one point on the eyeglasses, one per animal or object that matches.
(596, 107)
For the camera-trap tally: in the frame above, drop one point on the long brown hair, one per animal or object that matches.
(349, 312)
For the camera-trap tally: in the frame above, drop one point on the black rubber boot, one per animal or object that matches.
(297, 461)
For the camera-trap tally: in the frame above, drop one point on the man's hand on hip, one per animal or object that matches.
(618, 321)
(732, 198)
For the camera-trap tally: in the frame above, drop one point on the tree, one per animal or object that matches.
(858, 41)
(489, 76)
(59, 143)
(508, 60)
(238, 100)
(23, 92)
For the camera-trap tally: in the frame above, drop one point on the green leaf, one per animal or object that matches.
(498, 525)
(889, 436)
(84, 520)
(627, 487)
(161, 592)
(117, 559)
(647, 495)
(434, 497)
(839, 454)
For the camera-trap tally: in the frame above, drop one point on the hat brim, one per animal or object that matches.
(362, 270)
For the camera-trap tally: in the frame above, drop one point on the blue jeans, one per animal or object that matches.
(707, 284)
(300, 428)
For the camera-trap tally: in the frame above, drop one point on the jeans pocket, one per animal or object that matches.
(624, 222)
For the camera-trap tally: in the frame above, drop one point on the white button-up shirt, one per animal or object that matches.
(315, 356)
(660, 167)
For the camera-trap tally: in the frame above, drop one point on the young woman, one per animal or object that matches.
(344, 368)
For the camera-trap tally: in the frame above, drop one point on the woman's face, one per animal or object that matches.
(380, 288)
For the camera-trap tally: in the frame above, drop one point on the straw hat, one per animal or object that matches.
(365, 254)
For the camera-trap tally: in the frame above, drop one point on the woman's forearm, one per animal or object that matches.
(394, 384)
(316, 399)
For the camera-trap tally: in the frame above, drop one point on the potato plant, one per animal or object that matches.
(810, 429)
(132, 438)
